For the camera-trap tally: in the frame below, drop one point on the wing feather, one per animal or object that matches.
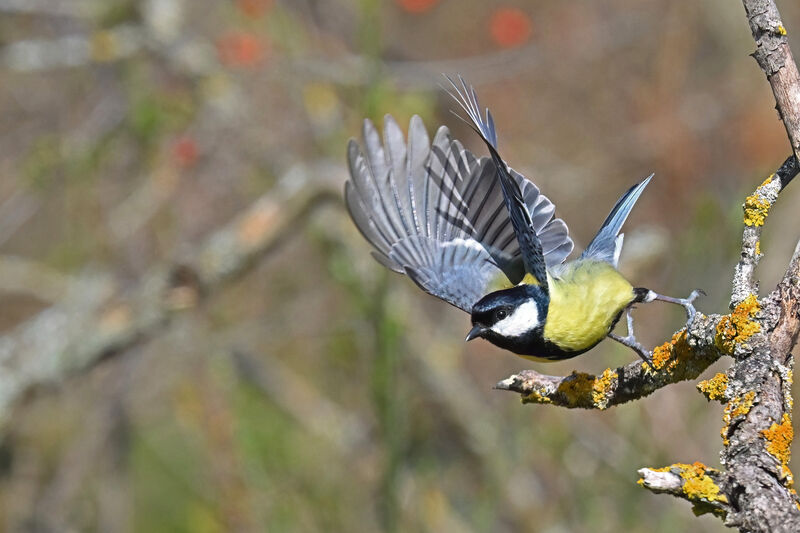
(434, 211)
(527, 220)
(606, 246)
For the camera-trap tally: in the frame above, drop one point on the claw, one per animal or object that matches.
(691, 312)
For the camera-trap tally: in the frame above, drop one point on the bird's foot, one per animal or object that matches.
(687, 303)
(630, 341)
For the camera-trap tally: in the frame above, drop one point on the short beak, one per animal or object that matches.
(476, 331)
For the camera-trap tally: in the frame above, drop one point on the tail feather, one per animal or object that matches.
(605, 245)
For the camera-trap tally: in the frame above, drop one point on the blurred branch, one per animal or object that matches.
(317, 414)
(347, 436)
(15, 211)
(63, 8)
(197, 56)
(98, 318)
(18, 274)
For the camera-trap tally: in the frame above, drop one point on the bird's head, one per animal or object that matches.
(510, 318)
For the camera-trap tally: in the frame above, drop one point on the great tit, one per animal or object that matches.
(480, 236)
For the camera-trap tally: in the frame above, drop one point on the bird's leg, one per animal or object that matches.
(685, 302)
(630, 341)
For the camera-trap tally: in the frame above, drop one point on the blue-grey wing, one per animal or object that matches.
(607, 244)
(459, 272)
(436, 212)
(526, 214)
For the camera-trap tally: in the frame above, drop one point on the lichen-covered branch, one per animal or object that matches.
(683, 357)
(97, 318)
(756, 209)
(695, 482)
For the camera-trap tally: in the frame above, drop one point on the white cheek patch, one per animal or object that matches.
(523, 319)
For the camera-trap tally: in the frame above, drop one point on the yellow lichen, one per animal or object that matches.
(714, 388)
(536, 396)
(737, 327)
(779, 445)
(767, 181)
(698, 485)
(578, 390)
(670, 355)
(738, 406)
(781, 30)
(758, 248)
(602, 386)
(756, 210)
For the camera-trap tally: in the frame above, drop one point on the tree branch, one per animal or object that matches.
(98, 319)
(756, 208)
(683, 357)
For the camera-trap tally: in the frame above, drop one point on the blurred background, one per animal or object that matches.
(193, 334)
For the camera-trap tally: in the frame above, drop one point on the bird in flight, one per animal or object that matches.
(479, 235)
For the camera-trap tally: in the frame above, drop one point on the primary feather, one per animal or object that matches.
(436, 212)
(529, 242)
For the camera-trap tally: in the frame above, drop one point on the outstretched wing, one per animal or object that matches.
(607, 244)
(436, 213)
(521, 217)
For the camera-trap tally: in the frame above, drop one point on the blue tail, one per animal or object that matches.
(607, 245)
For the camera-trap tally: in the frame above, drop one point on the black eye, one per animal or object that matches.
(500, 314)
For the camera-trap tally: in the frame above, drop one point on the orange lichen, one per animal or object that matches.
(714, 388)
(737, 327)
(779, 445)
(738, 406)
(669, 356)
(756, 209)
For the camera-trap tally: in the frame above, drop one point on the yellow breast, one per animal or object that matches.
(584, 302)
